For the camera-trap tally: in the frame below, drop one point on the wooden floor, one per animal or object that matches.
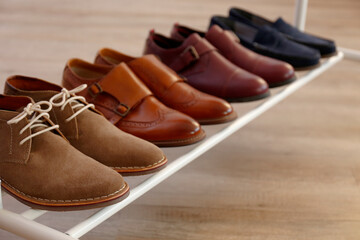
(293, 174)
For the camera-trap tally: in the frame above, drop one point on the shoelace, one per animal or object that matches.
(67, 98)
(38, 113)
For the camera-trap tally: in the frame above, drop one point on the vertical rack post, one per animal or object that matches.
(300, 20)
(300, 14)
(1, 204)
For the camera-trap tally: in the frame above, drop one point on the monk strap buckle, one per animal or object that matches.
(192, 51)
(94, 90)
(122, 109)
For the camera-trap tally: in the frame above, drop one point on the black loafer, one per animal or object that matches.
(326, 47)
(271, 43)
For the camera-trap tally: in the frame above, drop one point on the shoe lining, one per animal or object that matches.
(31, 84)
(185, 32)
(12, 103)
(115, 57)
(253, 18)
(87, 73)
(246, 32)
(165, 42)
(88, 70)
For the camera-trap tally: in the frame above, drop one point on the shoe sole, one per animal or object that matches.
(307, 68)
(329, 55)
(228, 118)
(181, 142)
(249, 99)
(279, 84)
(66, 206)
(143, 171)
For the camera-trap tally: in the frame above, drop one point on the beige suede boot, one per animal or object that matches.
(40, 168)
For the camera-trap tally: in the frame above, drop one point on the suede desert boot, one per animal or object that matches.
(40, 168)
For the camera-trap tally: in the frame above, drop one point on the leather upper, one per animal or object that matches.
(273, 71)
(325, 46)
(126, 102)
(204, 67)
(170, 88)
(269, 42)
(118, 83)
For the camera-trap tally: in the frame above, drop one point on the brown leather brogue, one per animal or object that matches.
(275, 72)
(127, 103)
(170, 88)
(88, 131)
(206, 69)
(40, 168)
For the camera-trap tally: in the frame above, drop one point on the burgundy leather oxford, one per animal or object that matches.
(275, 72)
(206, 69)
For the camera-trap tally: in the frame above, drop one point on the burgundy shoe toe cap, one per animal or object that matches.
(276, 73)
(244, 86)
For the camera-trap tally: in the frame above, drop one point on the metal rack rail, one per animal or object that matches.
(24, 225)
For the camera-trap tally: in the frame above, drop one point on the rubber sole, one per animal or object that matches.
(228, 118)
(143, 171)
(181, 142)
(279, 84)
(249, 99)
(307, 68)
(329, 55)
(67, 206)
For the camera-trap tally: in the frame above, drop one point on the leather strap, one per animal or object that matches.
(122, 84)
(231, 35)
(155, 74)
(191, 54)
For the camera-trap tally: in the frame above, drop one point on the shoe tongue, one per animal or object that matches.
(213, 31)
(122, 84)
(158, 77)
(279, 22)
(281, 25)
(265, 35)
(192, 39)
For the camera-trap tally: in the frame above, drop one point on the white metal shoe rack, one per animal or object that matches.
(24, 225)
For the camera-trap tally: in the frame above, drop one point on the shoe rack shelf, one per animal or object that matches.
(24, 224)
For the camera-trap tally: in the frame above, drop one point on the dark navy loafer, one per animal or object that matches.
(326, 47)
(271, 43)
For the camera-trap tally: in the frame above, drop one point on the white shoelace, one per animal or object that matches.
(67, 98)
(33, 109)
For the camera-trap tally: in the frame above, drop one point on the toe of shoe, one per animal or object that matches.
(177, 129)
(141, 157)
(86, 186)
(244, 85)
(209, 110)
(102, 184)
(310, 57)
(279, 72)
(328, 49)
